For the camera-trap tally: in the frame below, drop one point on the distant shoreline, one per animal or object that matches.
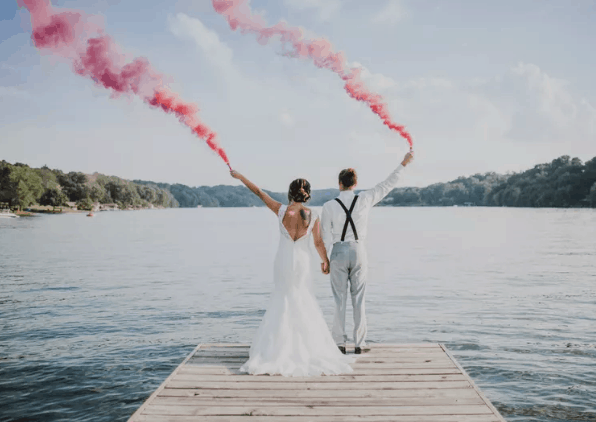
(564, 183)
(65, 210)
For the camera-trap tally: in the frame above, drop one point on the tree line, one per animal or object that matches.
(232, 196)
(22, 186)
(565, 182)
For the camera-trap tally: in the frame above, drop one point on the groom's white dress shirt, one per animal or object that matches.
(333, 216)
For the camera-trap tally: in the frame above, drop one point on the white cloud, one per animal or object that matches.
(286, 118)
(541, 108)
(515, 119)
(375, 81)
(533, 106)
(214, 50)
(325, 8)
(8, 67)
(392, 13)
(507, 122)
(11, 91)
(380, 82)
(553, 107)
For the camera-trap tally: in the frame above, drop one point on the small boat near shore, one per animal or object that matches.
(7, 214)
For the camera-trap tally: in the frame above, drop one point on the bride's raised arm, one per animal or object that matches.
(271, 203)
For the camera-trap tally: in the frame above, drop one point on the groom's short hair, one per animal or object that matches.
(348, 177)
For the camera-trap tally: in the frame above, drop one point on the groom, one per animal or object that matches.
(344, 221)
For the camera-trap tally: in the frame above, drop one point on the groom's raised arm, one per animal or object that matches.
(373, 196)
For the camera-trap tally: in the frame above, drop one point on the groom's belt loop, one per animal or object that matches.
(348, 218)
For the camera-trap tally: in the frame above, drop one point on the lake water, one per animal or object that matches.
(96, 312)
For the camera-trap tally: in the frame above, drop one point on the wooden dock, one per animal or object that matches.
(392, 383)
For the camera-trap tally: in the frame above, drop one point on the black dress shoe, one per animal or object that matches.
(342, 349)
(358, 351)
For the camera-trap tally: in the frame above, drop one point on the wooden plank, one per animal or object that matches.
(399, 359)
(222, 370)
(350, 350)
(226, 345)
(310, 401)
(350, 346)
(397, 383)
(372, 354)
(402, 346)
(185, 376)
(362, 359)
(352, 418)
(147, 402)
(316, 410)
(443, 363)
(484, 398)
(358, 368)
(291, 385)
(466, 392)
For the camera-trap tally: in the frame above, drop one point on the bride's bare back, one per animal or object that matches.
(296, 220)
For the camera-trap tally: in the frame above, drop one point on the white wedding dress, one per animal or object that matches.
(293, 338)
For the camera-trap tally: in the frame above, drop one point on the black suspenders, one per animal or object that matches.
(348, 218)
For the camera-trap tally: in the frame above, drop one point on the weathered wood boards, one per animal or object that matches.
(399, 383)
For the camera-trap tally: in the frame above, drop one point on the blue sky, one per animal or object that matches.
(482, 86)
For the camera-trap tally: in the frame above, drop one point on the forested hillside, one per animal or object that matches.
(231, 196)
(565, 182)
(23, 186)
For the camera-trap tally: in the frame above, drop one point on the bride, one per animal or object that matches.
(293, 338)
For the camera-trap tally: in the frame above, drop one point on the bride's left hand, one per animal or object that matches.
(235, 174)
(325, 267)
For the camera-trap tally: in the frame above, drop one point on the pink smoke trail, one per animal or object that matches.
(319, 50)
(67, 34)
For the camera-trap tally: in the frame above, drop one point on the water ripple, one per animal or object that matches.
(96, 313)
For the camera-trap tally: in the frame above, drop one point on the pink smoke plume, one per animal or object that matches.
(320, 51)
(68, 34)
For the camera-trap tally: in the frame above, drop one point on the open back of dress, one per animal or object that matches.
(293, 338)
(296, 223)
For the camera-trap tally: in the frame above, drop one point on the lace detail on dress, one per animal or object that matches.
(282, 212)
(313, 219)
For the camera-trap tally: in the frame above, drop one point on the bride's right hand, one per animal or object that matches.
(235, 174)
(325, 267)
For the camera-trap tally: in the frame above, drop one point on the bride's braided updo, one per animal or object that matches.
(299, 191)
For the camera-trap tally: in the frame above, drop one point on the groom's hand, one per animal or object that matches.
(325, 267)
(408, 158)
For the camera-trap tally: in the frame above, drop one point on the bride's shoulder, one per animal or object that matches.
(308, 214)
(282, 211)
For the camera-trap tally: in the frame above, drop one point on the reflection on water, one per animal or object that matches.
(95, 313)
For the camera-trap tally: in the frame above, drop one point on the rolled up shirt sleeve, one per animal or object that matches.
(375, 195)
(326, 227)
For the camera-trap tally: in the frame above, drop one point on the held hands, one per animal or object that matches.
(325, 267)
(408, 158)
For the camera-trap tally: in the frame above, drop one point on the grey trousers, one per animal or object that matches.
(348, 266)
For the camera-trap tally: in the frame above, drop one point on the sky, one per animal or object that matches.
(482, 86)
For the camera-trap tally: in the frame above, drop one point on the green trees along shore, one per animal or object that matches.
(565, 182)
(22, 186)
